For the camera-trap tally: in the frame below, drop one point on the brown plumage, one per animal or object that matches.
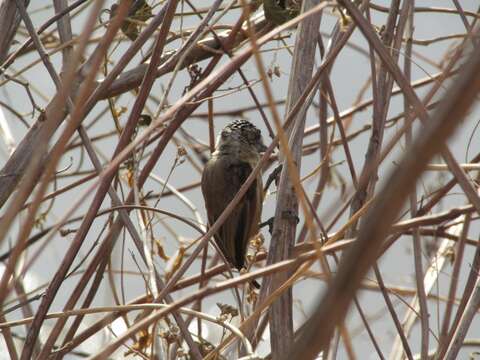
(237, 152)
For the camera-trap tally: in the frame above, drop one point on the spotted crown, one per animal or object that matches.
(244, 130)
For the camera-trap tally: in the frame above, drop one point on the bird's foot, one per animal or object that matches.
(268, 223)
(274, 176)
(290, 215)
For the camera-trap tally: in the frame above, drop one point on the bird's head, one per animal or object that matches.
(241, 136)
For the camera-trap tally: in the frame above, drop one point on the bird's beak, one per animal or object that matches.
(261, 148)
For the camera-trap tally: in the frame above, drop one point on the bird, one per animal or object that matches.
(281, 11)
(237, 151)
(139, 12)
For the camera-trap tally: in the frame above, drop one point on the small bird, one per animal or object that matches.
(236, 153)
(140, 11)
(280, 11)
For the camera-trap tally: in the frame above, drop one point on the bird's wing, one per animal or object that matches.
(221, 180)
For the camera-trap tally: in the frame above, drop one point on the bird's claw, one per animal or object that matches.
(290, 215)
(274, 176)
(268, 223)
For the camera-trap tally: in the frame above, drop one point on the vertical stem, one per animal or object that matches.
(417, 248)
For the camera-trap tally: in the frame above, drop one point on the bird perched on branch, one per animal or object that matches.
(236, 153)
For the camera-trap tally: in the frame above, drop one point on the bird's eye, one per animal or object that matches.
(252, 137)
